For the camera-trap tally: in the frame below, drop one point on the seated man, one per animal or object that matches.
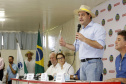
(120, 45)
(52, 69)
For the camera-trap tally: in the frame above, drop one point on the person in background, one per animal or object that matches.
(1, 67)
(49, 63)
(4, 75)
(64, 66)
(90, 42)
(52, 69)
(120, 45)
(30, 62)
(11, 70)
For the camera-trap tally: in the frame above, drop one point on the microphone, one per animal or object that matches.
(79, 26)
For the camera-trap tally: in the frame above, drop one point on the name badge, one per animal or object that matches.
(60, 77)
(44, 77)
(30, 76)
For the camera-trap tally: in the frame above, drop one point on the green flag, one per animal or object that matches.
(39, 63)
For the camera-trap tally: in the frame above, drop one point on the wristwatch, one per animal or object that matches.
(74, 76)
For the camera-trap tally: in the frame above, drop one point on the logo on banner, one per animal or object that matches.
(104, 59)
(103, 22)
(118, 30)
(117, 17)
(96, 12)
(111, 58)
(110, 32)
(109, 7)
(20, 65)
(104, 71)
(125, 27)
(111, 71)
(105, 47)
(124, 2)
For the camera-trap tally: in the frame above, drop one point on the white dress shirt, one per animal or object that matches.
(52, 69)
(95, 32)
(66, 66)
(30, 66)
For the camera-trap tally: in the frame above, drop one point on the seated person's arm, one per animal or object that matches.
(123, 80)
(72, 77)
(77, 75)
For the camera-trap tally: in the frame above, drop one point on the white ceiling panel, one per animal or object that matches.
(26, 15)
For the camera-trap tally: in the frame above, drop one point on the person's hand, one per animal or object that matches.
(62, 42)
(80, 37)
(10, 65)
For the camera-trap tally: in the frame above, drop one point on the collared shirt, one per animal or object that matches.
(66, 69)
(30, 65)
(52, 69)
(10, 74)
(120, 66)
(92, 31)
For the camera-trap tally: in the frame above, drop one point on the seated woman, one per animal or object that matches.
(64, 66)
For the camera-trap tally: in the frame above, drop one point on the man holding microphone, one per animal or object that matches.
(90, 42)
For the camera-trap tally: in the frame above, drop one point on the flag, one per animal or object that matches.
(58, 47)
(20, 62)
(39, 63)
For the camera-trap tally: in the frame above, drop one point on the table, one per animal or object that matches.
(17, 81)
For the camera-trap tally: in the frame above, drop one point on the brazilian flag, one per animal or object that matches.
(39, 63)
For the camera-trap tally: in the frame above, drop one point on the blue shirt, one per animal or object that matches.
(10, 74)
(92, 31)
(78, 74)
(120, 66)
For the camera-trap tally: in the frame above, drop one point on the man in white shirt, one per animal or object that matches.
(30, 63)
(53, 68)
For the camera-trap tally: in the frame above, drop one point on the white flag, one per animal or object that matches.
(58, 47)
(20, 61)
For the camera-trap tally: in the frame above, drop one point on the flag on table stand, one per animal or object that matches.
(39, 63)
(58, 47)
(21, 64)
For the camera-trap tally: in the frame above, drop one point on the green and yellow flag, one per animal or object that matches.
(39, 63)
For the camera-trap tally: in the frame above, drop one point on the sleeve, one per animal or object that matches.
(100, 35)
(47, 71)
(7, 70)
(71, 71)
(78, 74)
(1, 64)
(15, 67)
(76, 44)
